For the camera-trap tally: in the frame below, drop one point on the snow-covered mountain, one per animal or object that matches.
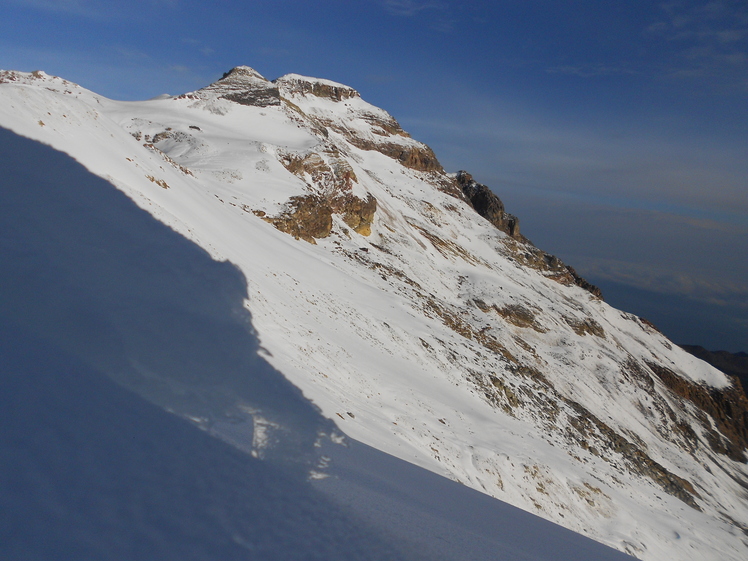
(402, 301)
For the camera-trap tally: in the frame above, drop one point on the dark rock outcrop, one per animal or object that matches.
(592, 428)
(420, 157)
(309, 217)
(326, 171)
(583, 427)
(728, 407)
(388, 139)
(246, 86)
(490, 207)
(487, 204)
(357, 213)
(583, 283)
(293, 83)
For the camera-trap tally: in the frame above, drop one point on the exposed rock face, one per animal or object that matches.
(727, 407)
(524, 252)
(519, 316)
(579, 281)
(578, 424)
(246, 86)
(330, 178)
(586, 326)
(637, 458)
(307, 218)
(380, 131)
(419, 158)
(357, 213)
(327, 171)
(487, 204)
(319, 88)
(9, 76)
(310, 217)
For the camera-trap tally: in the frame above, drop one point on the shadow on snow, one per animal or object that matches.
(90, 284)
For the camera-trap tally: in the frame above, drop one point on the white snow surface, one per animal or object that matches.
(298, 77)
(384, 333)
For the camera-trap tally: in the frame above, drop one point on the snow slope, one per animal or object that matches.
(426, 334)
(89, 470)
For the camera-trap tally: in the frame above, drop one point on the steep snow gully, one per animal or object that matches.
(260, 321)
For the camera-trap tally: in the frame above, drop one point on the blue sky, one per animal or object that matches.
(616, 131)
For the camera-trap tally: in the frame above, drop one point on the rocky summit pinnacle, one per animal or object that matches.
(246, 86)
(240, 72)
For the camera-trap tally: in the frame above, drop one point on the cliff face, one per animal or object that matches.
(413, 312)
(487, 204)
(724, 408)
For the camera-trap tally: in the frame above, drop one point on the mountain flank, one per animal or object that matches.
(398, 301)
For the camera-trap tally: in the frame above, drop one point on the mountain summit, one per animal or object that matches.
(406, 306)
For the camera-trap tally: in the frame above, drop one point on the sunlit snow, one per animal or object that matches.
(280, 347)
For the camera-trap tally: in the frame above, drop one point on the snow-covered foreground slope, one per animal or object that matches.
(89, 470)
(422, 329)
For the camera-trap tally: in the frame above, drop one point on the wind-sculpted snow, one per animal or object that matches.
(89, 470)
(89, 271)
(428, 333)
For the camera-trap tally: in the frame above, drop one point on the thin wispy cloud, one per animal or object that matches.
(590, 70)
(409, 8)
(93, 9)
(83, 8)
(710, 39)
(662, 280)
(131, 55)
(635, 168)
(199, 45)
(434, 13)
